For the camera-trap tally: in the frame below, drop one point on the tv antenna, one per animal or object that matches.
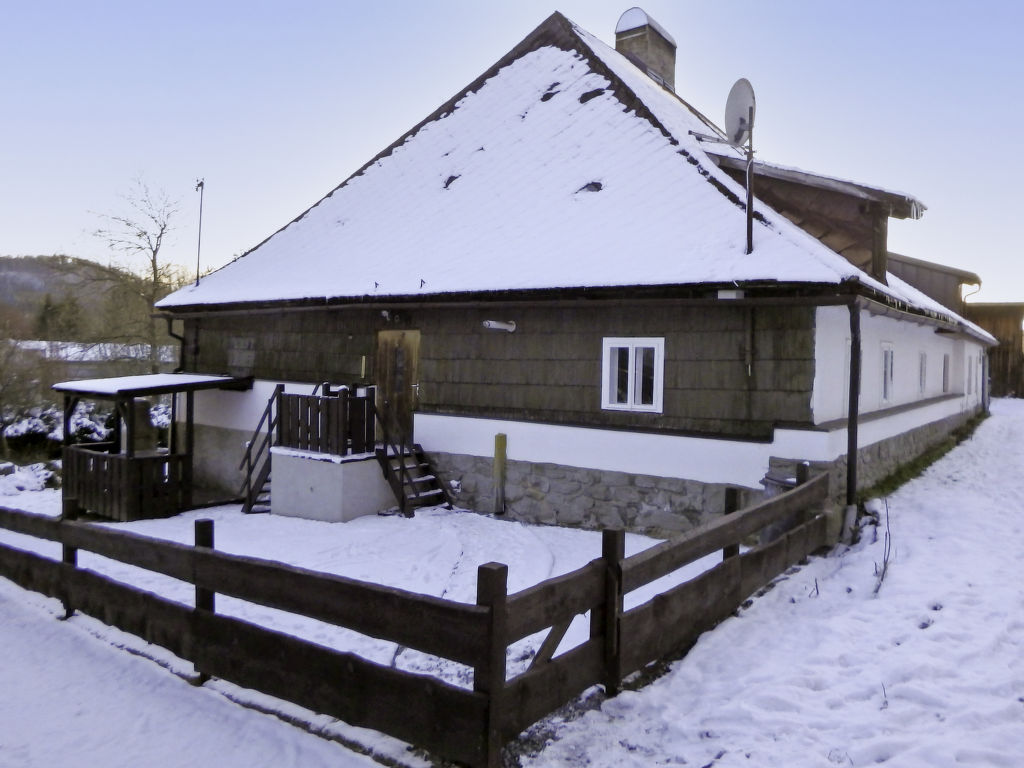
(739, 132)
(739, 128)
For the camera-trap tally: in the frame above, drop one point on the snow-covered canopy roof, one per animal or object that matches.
(146, 384)
(562, 167)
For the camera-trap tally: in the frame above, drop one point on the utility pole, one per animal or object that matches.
(200, 185)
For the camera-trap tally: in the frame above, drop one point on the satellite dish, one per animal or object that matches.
(739, 112)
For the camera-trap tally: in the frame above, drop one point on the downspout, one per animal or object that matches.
(851, 422)
(181, 343)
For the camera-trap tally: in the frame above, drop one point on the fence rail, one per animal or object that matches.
(468, 726)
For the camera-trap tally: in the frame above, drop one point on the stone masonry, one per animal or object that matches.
(586, 498)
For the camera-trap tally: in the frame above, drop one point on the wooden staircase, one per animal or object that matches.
(403, 462)
(255, 490)
(409, 474)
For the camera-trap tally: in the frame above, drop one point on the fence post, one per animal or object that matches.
(803, 472)
(204, 597)
(69, 556)
(489, 677)
(204, 538)
(613, 551)
(732, 503)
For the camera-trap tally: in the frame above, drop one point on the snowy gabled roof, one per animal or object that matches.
(562, 167)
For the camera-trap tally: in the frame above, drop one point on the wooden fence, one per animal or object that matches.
(339, 424)
(124, 487)
(469, 726)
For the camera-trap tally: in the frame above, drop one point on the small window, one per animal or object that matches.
(922, 373)
(945, 373)
(888, 355)
(631, 374)
(970, 376)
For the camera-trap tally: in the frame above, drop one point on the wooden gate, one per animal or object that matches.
(397, 375)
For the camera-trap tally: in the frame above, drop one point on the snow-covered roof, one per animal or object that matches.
(564, 166)
(145, 384)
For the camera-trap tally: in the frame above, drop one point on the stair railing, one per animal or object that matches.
(256, 463)
(400, 449)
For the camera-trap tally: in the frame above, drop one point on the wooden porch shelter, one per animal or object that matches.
(130, 477)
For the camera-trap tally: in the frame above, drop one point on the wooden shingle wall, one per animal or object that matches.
(729, 370)
(550, 368)
(308, 346)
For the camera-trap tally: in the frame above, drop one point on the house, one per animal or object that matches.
(1005, 321)
(545, 284)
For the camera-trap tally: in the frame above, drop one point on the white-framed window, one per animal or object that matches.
(945, 373)
(888, 369)
(632, 374)
(922, 373)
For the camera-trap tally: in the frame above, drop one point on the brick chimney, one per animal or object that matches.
(643, 41)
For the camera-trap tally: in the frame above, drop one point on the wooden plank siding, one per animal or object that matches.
(549, 370)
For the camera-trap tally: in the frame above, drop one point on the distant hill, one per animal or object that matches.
(26, 281)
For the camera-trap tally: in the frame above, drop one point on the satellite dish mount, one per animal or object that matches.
(739, 127)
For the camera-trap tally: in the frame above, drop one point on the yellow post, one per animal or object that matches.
(500, 447)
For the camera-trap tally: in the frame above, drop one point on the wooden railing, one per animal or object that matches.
(469, 726)
(338, 423)
(256, 460)
(123, 487)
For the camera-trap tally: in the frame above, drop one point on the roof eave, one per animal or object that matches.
(900, 206)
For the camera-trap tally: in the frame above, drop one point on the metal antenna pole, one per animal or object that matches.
(200, 186)
(750, 181)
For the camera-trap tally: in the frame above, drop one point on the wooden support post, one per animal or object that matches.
(500, 450)
(69, 556)
(732, 503)
(613, 551)
(489, 677)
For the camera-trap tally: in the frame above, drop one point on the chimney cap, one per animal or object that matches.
(637, 17)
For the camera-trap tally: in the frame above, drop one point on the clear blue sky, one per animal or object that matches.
(276, 103)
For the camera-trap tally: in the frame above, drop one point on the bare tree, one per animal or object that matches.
(140, 235)
(19, 382)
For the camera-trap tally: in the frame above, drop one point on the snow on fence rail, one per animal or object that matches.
(469, 726)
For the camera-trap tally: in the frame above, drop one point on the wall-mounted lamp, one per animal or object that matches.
(500, 325)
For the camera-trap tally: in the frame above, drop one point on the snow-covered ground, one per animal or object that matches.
(822, 671)
(818, 671)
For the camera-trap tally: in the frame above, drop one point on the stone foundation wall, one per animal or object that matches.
(587, 498)
(879, 460)
(592, 498)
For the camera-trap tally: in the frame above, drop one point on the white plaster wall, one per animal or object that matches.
(908, 340)
(831, 364)
(237, 410)
(694, 458)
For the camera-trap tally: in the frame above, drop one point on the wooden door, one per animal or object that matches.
(397, 378)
